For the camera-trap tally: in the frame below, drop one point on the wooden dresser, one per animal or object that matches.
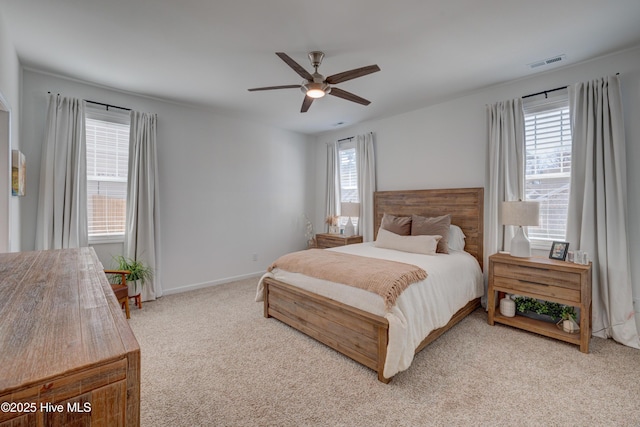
(67, 353)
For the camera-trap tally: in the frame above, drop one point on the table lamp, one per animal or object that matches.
(520, 214)
(349, 209)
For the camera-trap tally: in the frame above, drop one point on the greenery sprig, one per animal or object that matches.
(552, 309)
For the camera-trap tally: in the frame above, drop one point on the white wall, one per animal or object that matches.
(229, 188)
(444, 145)
(10, 95)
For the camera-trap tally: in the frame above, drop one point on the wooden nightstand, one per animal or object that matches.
(546, 279)
(326, 240)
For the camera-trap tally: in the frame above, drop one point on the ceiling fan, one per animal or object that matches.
(316, 85)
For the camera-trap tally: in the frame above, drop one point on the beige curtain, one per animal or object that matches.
(366, 166)
(142, 224)
(505, 124)
(597, 220)
(333, 182)
(62, 198)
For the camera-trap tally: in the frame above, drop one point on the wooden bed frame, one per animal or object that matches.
(355, 333)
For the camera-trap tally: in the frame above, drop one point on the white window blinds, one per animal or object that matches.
(348, 177)
(107, 161)
(548, 166)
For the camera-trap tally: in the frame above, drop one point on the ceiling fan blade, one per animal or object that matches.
(296, 67)
(306, 103)
(274, 87)
(352, 74)
(348, 96)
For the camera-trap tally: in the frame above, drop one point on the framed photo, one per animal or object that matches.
(18, 173)
(559, 250)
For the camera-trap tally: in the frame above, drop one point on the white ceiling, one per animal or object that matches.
(209, 52)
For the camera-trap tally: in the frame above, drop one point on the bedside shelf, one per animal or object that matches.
(538, 326)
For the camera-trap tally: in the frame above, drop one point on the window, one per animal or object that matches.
(548, 166)
(107, 162)
(348, 177)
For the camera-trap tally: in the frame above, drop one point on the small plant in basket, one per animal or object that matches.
(139, 273)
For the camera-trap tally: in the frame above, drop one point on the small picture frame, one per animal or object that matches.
(559, 250)
(18, 173)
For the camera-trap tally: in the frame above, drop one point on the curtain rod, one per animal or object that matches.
(351, 137)
(545, 92)
(550, 90)
(107, 105)
(103, 104)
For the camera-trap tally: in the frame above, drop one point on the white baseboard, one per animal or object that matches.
(193, 287)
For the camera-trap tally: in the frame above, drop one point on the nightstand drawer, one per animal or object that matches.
(562, 279)
(540, 290)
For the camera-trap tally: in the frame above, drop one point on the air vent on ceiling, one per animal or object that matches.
(547, 61)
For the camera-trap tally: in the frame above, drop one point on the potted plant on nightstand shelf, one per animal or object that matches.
(139, 273)
(548, 311)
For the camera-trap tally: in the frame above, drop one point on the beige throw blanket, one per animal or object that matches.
(385, 278)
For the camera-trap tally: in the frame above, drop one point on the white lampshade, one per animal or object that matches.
(349, 209)
(520, 214)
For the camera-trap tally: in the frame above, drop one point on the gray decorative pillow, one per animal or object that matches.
(438, 225)
(397, 224)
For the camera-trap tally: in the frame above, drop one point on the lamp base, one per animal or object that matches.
(520, 246)
(349, 229)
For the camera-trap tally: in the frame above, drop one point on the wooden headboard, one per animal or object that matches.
(465, 205)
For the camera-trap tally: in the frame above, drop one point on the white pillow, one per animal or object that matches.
(456, 238)
(414, 244)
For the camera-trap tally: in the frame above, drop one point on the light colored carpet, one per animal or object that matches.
(210, 358)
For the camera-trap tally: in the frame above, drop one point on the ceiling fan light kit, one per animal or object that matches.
(315, 89)
(316, 85)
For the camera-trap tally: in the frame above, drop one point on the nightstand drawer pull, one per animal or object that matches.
(533, 268)
(532, 283)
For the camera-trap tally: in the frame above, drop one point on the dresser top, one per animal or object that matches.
(57, 313)
(540, 262)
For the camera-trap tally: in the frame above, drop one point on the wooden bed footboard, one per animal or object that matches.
(356, 334)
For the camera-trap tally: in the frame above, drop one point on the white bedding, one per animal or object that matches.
(453, 280)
